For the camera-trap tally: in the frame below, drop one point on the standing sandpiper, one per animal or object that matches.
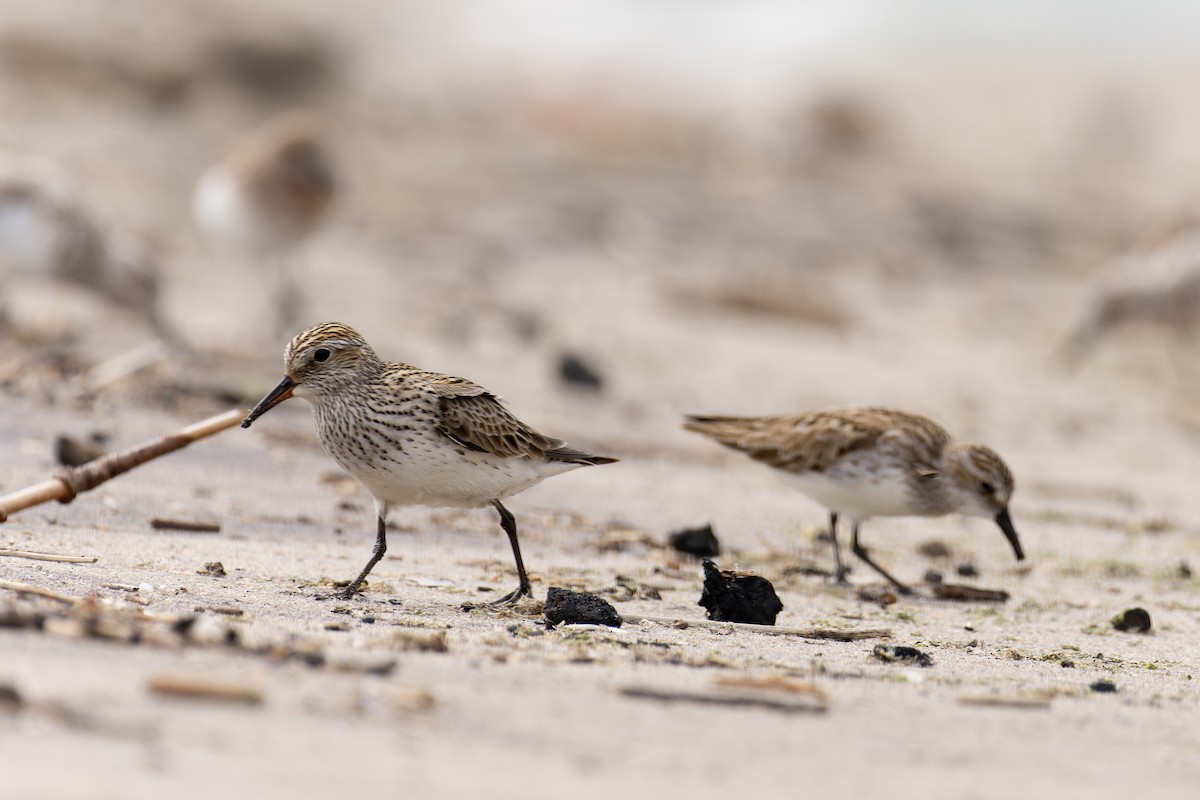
(267, 197)
(412, 437)
(873, 462)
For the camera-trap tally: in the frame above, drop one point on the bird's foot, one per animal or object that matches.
(349, 590)
(510, 599)
(513, 597)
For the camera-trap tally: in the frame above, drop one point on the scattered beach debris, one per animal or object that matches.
(732, 596)
(831, 634)
(968, 594)
(10, 699)
(70, 451)
(121, 620)
(212, 568)
(1136, 620)
(699, 542)
(574, 370)
(901, 654)
(407, 641)
(186, 525)
(776, 694)
(934, 548)
(625, 588)
(564, 605)
(228, 611)
(879, 593)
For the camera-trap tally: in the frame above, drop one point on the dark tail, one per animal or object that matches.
(573, 455)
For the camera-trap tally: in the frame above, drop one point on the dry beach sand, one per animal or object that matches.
(903, 243)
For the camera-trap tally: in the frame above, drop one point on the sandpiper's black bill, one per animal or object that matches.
(1010, 533)
(276, 396)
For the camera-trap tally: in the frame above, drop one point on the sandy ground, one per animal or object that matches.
(845, 258)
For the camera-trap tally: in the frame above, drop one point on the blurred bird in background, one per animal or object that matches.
(266, 198)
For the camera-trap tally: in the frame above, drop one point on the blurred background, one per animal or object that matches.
(614, 212)
(611, 214)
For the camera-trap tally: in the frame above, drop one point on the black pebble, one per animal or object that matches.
(1132, 619)
(967, 570)
(738, 598)
(933, 576)
(902, 653)
(699, 542)
(1103, 687)
(72, 452)
(563, 605)
(573, 369)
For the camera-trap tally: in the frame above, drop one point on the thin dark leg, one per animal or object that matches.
(840, 570)
(861, 552)
(524, 589)
(376, 555)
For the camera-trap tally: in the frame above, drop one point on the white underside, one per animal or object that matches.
(451, 481)
(227, 220)
(30, 244)
(857, 494)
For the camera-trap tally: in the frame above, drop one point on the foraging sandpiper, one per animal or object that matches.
(873, 462)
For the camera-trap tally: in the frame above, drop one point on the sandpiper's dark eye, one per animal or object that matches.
(322, 354)
(986, 487)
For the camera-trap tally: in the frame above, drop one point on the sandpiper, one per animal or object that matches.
(267, 197)
(412, 437)
(873, 462)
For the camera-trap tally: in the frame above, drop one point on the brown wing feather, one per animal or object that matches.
(476, 419)
(816, 441)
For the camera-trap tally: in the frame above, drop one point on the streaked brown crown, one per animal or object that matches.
(330, 356)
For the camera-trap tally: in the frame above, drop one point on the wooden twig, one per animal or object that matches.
(200, 686)
(1028, 700)
(28, 588)
(812, 702)
(189, 525)
(71, 481)
(836, 634)
(47, 556)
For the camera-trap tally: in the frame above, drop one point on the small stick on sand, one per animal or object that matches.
(70, 481)
(28, 588)
(1031, 700)
(205, 687)
(47, 556)
(812, 702)
(836, 634)
(192, 526)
